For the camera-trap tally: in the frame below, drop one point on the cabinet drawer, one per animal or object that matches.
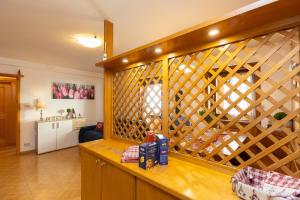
(145, 191)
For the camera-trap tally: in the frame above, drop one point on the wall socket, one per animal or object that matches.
(27, 144)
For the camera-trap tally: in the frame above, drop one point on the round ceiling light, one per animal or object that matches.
(89, 41)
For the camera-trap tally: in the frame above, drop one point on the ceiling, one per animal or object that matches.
(42, 31)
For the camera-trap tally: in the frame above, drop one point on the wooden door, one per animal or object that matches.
(8, 113)
(91, 177)
(117, 184)
(46, 137)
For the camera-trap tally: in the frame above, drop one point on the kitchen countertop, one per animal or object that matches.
(180, 178)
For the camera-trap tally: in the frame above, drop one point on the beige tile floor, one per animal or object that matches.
(51, 176)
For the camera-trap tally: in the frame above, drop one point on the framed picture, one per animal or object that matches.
(72, 91)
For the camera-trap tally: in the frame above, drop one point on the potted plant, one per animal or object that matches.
(280, 116)
(69, 113)
(208, 118)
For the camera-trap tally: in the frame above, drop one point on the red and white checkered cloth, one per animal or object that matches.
(259, 178)
(131, 155)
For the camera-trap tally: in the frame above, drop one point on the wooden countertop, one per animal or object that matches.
(180, 178)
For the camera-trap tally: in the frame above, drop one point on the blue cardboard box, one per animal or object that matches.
(148, 155)
(163, 148)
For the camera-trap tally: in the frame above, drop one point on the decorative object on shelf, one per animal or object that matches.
(61, 111)
(40, 105)
(72, 91)
(250, 183)
(131, 155)
(150, 136)
(208, 118)
(69, 113)
(280, 116)
(148, 155)
(99, 126)
(73, 113)
(57, 118)
(163, 148)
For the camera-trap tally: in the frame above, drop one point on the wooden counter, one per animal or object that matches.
(179, 180)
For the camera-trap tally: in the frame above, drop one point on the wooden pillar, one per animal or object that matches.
(165, 98)
(108, 84)
(108, 103)
(108, 38)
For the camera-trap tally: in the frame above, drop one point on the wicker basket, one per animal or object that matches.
(254, 184)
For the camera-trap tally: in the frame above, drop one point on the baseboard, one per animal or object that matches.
(27, 152)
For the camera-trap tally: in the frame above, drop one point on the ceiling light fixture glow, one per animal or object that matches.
(213, 32)
(89, 41)
(125, 60)
(158, 50)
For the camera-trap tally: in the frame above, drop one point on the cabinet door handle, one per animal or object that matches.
(53, 125)
(102, 164)
(57, 124)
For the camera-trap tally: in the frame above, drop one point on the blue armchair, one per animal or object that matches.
(89, 133)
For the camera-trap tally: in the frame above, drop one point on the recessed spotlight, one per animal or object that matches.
(222, 42)
(158, 50)
(213, 32)
(125, 60)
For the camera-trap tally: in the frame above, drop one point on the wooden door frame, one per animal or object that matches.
(18, 77)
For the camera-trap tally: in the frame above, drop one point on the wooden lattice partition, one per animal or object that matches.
(219, 103)
(137, 98)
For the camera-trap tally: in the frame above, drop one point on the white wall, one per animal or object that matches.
(36, 83)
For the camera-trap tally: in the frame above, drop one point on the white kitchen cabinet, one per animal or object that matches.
(55, 135)
(65, 134)
(46, 138)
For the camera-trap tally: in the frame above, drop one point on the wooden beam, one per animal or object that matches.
(108, 115)
(108, 38)
(238, 25)
(18, 75)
